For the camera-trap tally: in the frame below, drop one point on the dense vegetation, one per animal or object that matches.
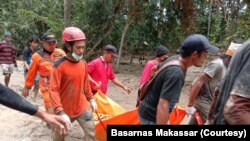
(128, 23)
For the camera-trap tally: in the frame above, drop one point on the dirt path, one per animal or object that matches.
(17, 126)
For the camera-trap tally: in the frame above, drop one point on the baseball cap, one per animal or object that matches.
(161, 50)
(111, 49)
(233, 47)
(7, 34)
(198, 42)
(49, 37)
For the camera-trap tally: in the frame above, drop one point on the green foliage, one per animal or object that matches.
(156, 22)
(25, 18)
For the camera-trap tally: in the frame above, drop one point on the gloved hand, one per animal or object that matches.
(93, 104)
(190, 110)
(66, 118)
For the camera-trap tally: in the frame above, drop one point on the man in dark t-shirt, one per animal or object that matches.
(167, 85)
(158, 66)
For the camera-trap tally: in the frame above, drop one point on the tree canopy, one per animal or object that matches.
(127, 24)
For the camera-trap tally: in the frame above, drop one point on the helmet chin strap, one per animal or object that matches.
(71, 49)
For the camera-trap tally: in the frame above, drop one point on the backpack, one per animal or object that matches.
(144, 89)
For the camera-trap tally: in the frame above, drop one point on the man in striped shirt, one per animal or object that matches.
(7, 57)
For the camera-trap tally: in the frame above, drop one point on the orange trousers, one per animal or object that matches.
(44, 87)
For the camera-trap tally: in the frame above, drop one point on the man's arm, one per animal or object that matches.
(13, 100)
(212, 106)
(87, 89)
(55, 82)
(97, 84)
(118, 83)
(55, 120)
(196, 86)
(162, 113)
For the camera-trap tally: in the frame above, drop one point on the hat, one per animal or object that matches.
(111, 49)
(198, 42)
(49, 37)
(7, 34)
(232, 48)
(161, 50)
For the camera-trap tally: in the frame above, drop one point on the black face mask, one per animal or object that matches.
(44, 50)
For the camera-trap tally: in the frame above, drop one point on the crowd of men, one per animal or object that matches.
(55, 72)
(220, 93)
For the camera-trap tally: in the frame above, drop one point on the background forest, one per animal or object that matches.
(133, 26)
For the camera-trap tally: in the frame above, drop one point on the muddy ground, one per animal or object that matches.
(17, 126)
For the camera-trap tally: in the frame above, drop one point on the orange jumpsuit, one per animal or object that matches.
(69, 87)
(43, 63)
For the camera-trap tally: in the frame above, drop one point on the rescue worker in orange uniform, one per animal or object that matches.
(70, 91)
(42, 62)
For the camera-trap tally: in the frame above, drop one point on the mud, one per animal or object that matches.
(17, 126)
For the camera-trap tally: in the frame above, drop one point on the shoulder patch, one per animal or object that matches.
(59, 61)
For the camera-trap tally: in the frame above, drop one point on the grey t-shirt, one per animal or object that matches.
(216, 70)
(167, 85)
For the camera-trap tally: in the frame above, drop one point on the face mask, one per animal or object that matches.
(77, 57)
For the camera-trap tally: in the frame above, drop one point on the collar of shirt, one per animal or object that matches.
(105, 64)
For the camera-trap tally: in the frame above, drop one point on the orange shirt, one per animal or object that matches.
(69, 87)
(42, 65)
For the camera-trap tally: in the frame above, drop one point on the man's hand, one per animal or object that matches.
(58, 122)
(98, 84)
(127, 89)
(66, 118)
(25, 91)
(190, 110)
(93, 104)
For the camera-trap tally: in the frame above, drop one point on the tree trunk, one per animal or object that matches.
(125, 30)
(209, 18)
(117, 7)
(160, 21)
(99, 41)
(223, 24)
(67, 20)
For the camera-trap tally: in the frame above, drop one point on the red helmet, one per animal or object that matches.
(72, 34)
